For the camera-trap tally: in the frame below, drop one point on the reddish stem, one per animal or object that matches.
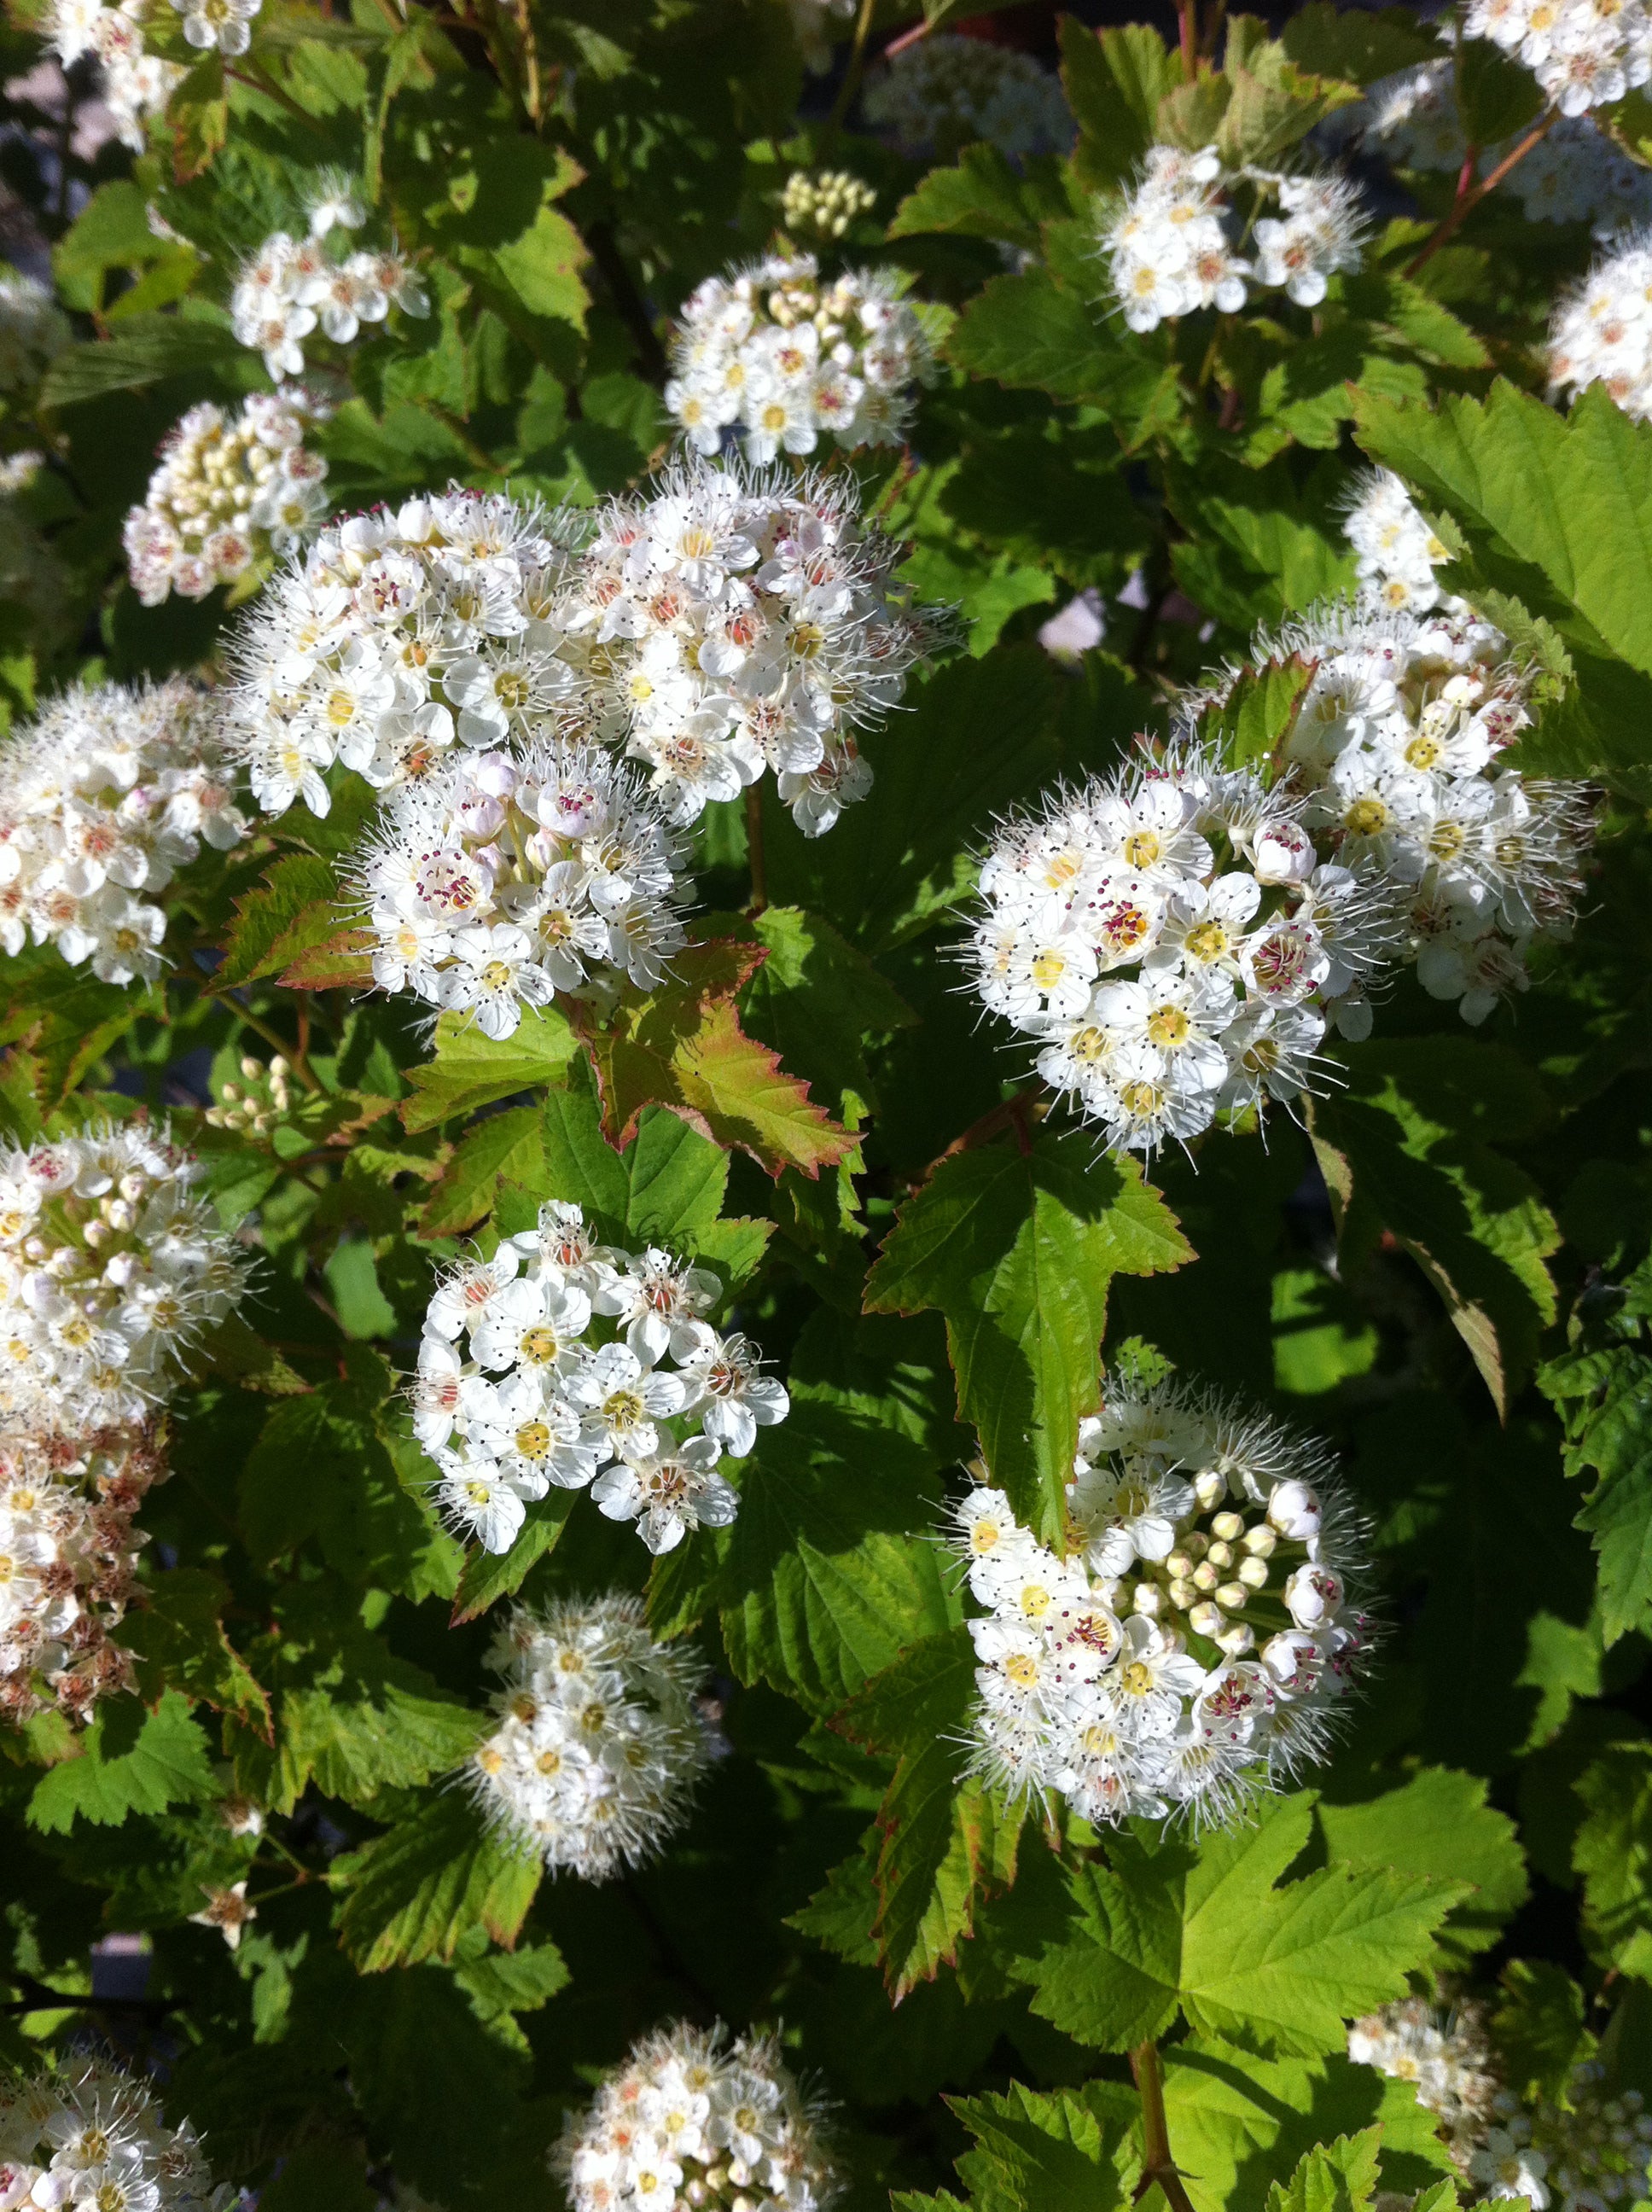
(1464, 206)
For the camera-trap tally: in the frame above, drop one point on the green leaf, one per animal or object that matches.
(982, 197)
(177, 1639)
(1438, 1823)
(490, 1575)
(944, 1843)
(542, 268)
(321, 1469)
(467, 1069)
(1538, 2027)
(1166, 1929)
(1273, 107)
(1404, 1150)
(1612, 1852)
(816, 1002)
(1338, 2177)
(229, 1349)
(291, 910)
(1060, 2153)
(1496, 96)
(354, 1719)
(141, 350)
(683, 1047)
(1257, 716)
(1604, 1399)
(1027, 332)
(820, 1582)
(1569, 495)
(503, 1147)
(505, 1982)
(414, 1891)
(1237, 2121)
(1115, 80)
(198, 113)
(129, 1761)
(1355, 44)
(1017, 1249)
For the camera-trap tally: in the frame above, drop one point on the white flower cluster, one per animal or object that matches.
(95, 2139)
(823, 203)
(1592, 2151)
(1191, 1647)
(1583, 55)
(1585, 2154)
(137, 85)
(1575, 174)
(103, 796)
(599, 1744)
(1447, 2059)
(541, 1394)
(693, 2118)
(1398, 550)
(1172, 941)
(737, 620)
(111, 1266)
(291, 285)
(396, 635)
(782, 355)
(1395, 753)
(504, 880)
(949, 92)
(68, 1555)
(33, 332)
(230, 491)
(1173, 245)
(1601, 332)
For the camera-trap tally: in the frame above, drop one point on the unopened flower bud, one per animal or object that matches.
(1206, 1620)
(1294, 1510)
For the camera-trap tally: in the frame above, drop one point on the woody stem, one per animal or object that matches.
(1156, 2163)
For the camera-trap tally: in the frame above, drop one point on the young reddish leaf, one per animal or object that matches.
(683, 1047)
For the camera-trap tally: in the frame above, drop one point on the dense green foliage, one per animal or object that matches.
(1445, 1267)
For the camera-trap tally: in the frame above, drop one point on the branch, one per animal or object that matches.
(1465, 204)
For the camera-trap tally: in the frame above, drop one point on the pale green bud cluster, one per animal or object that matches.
(823, 206)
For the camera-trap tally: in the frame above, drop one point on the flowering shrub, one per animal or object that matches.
(825, 1236)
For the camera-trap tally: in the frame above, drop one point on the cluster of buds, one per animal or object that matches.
(259, 1100)
(822, 205)
(68, 1564)
(231, 492)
